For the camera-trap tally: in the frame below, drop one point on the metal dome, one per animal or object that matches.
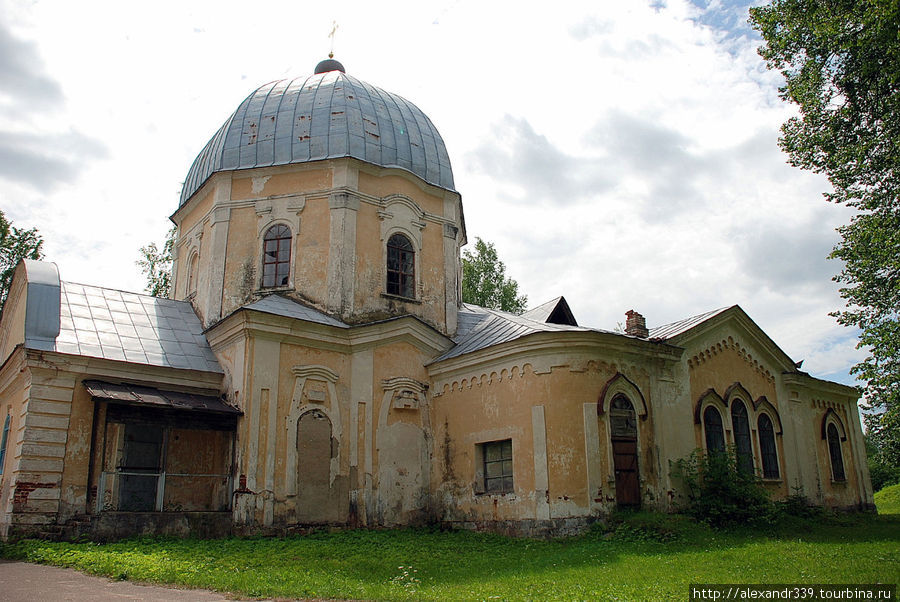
(325, 116)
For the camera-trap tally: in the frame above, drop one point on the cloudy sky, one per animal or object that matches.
(622, 154)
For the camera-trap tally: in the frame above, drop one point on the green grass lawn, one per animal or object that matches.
(646, 557)
(888, 500)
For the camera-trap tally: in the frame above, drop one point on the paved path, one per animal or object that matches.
(23, 582)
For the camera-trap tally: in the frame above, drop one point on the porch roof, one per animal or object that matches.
(151, 397)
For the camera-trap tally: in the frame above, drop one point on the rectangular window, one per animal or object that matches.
(498, 471)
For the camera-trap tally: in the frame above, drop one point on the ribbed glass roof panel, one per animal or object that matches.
(325, 116)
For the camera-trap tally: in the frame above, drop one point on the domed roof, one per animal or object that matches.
(324, 116)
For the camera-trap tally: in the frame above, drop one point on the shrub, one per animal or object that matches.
(721, 494)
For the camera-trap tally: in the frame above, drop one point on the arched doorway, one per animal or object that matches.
(623, 435)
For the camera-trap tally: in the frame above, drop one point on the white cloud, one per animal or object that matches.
(621, 154)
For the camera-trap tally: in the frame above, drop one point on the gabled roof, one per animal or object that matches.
(555, 311)
(479, 327)
(668, 331)
(677, 333)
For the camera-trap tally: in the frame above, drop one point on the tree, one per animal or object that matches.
(156, 265)
(841, 63)
(15, 244)
(485, 282)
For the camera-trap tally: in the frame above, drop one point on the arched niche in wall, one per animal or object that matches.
(403, 451)
(314, 389)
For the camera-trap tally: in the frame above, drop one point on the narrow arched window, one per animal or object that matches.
(401, 267)
(3, 442)
(715, 434)
(276, 256)
(621, 416)
(834, 450)
(741, 426)
(767, 451)
(193, 267)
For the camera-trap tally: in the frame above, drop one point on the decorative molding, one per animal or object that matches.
(730, 344)
(405, 393)
(621, 385)
(736, 391)
(832, 417)
(764, 406)
(707, 398)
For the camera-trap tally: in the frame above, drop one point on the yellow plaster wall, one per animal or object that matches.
(287, 180)
(199, 211)
(241, 258)
(12, 327)
(725, 366)
(390, 184)
(12, 401)
(371, 275)
(312, 246)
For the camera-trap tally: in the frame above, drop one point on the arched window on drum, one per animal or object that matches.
(276, 256)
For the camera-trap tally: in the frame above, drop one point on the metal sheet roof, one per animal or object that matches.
(667, 331)
(479, 328)
(555, 311)
(153, 397)
(115, 325)
(324, 116)
(282, 306)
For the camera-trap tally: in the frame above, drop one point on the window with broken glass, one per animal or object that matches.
(622, 420)
(498, 471)
(276, 256)
(401, 267)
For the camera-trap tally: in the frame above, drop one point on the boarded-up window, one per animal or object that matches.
(498, 470)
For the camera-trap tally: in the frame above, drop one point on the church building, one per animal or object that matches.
(315, 364)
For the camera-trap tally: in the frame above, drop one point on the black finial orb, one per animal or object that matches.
(329, 64)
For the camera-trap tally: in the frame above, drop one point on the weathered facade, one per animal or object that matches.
(316, 365)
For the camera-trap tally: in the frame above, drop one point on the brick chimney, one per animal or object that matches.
(635, 325)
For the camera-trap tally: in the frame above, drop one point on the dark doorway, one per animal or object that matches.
(623, 433)
(139, 472)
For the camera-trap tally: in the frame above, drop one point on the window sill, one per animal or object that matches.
(265, 290)
(842, 482)
(399, 298)
(494, 493)
(771, 480)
